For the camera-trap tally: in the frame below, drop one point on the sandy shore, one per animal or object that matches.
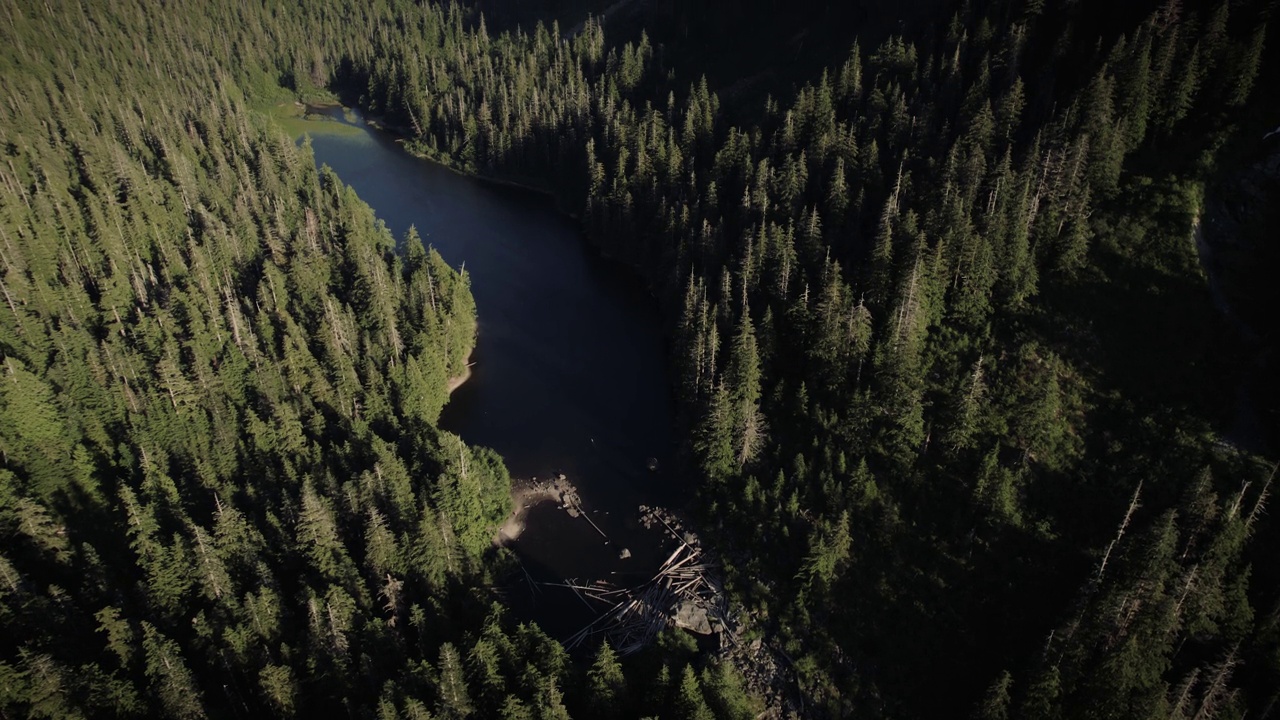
(525, 494)
(457, 382)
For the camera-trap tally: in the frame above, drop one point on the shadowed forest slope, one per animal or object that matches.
(952, 387)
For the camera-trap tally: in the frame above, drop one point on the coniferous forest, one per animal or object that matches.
(956, 400)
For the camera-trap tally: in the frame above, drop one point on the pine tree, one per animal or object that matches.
(1245, 69)
(169, 675)
(714, 437)
(995, 705)
(742, 376)
(690, 704)
(454, 700)
(607, 684)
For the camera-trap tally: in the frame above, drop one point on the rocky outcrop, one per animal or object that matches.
(526, 494)
(692, 617)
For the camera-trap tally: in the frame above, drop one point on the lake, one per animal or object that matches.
(570, 370)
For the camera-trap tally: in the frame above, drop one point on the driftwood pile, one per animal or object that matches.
(683, 592)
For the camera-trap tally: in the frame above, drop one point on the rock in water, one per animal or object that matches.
(624, 553)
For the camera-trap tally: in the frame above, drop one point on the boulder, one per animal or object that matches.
(693, 618)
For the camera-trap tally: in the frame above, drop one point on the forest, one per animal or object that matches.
(955, 401)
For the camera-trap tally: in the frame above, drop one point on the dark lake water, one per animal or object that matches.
(570, 371)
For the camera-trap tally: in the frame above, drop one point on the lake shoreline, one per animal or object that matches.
(545, 409)
(525, 494)
(402, 139)
(403, 136)
(459, 380)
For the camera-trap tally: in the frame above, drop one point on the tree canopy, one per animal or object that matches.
(951, 381)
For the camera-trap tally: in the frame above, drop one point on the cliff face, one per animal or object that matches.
(1241, 253)
(1241, 217)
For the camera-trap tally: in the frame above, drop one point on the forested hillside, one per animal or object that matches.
(952, 387)
(943, 341)
(222, 488)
